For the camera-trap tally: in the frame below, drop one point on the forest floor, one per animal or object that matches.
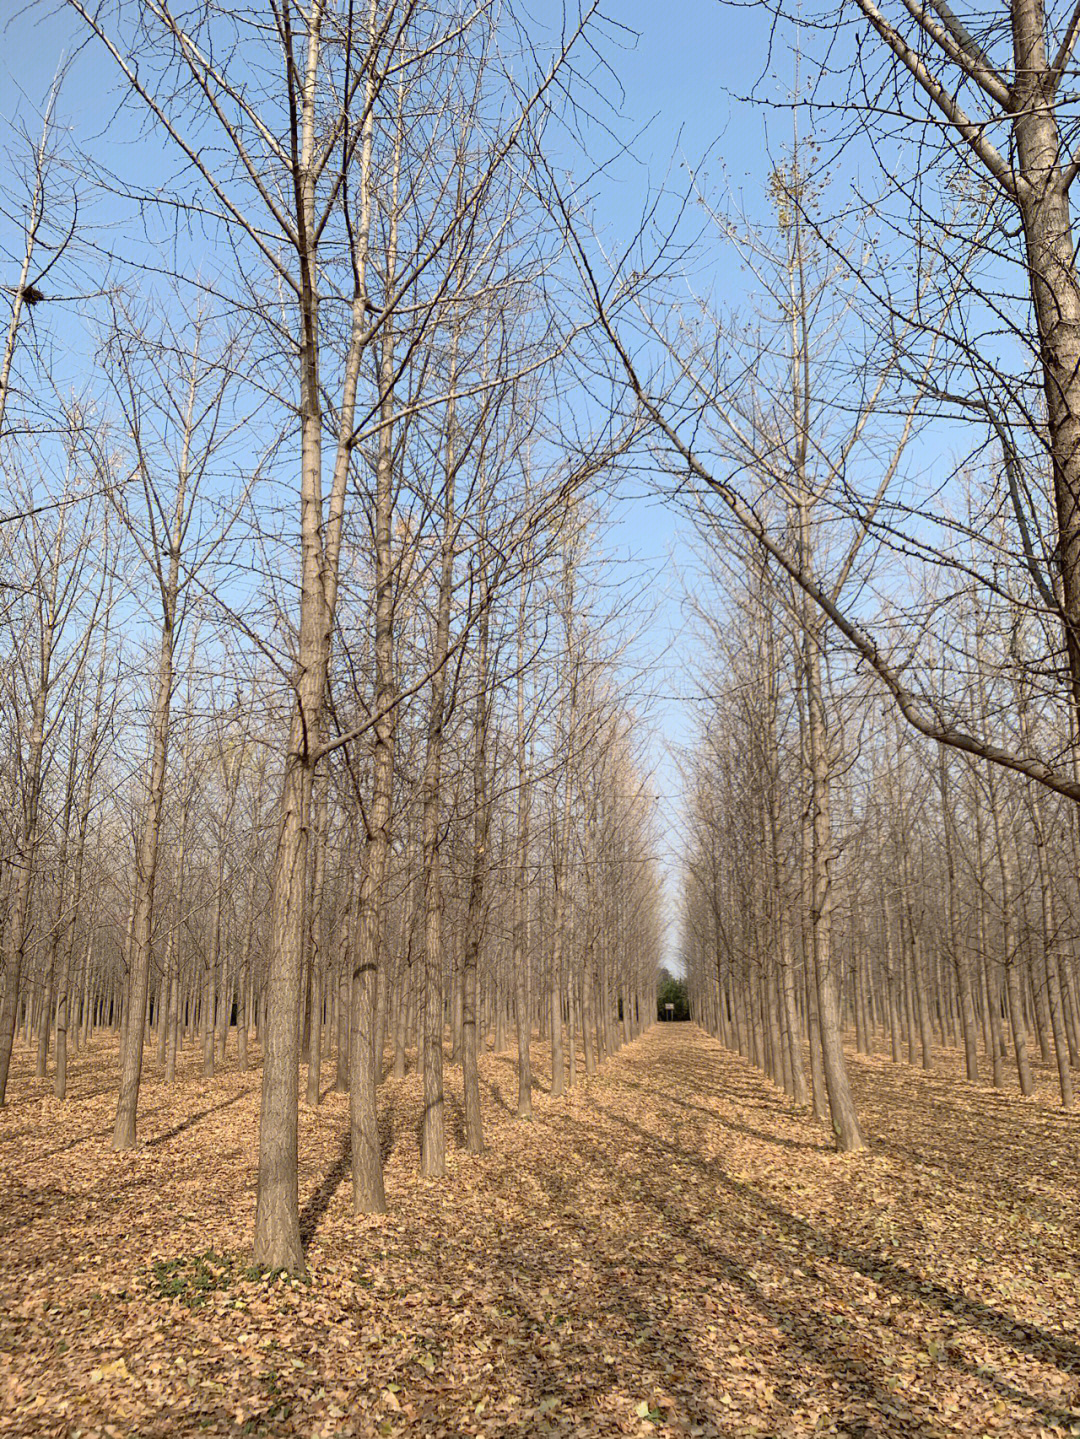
(671, 1250)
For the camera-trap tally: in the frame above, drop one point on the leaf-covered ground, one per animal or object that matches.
(671, 1250)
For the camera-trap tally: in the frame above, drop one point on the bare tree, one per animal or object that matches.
(300, 160)
(171, 395)
(58, 589)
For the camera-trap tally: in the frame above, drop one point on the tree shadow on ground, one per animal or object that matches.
(193, 1119)
(807, 1340)
(456, 1118)
(1022, 1334)
(320, 1201)
(710, 1114)
(495, 1090)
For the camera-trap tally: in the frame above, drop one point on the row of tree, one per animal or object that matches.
(541, 804)
(892, 895)
(504, 881)
(840, 874)
(310, 729)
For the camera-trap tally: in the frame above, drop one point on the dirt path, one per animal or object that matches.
(670, 1250)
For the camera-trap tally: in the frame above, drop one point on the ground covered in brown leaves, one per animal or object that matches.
(671, 1250)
